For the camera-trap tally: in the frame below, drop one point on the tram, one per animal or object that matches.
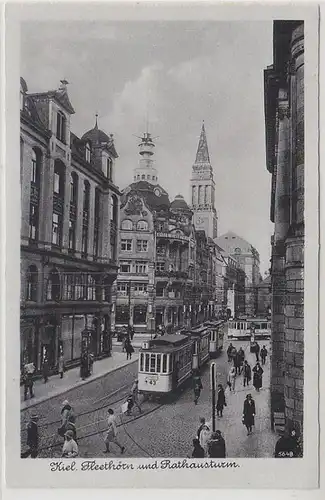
(242, 328)
(218, 329)
(165, 363)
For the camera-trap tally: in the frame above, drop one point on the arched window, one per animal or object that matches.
(88, 152)
(32, 279)
(61, 126)
(53, 286)
(138, 176)
(142, 225)
(126, 225)
(143, 177)
(237, 251)
(135, 178)
(148, 177)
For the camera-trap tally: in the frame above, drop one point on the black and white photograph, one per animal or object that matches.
(162, 227)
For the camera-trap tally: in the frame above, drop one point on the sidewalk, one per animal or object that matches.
(71, 379)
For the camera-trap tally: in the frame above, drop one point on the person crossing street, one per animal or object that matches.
(111, 434)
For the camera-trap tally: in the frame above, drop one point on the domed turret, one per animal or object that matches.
(179, 204)
(97, 136)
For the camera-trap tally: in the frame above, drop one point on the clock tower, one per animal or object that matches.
(203, 190)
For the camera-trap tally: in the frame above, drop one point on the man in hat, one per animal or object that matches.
(32, 437)
(70, 447)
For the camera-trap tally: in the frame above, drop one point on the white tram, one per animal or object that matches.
(243, 328)
(165, 363)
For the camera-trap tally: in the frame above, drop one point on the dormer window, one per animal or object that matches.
(60, 126)
(88, 152)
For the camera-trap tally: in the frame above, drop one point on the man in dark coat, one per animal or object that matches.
(229, 352)
(237, 362)
(221, 400)
(32, 438)
(197, 386)
(288, 446)
(263, 354)
(217, 446)
(257, 376)
(257, 352)
(249, 413)
(247, 373)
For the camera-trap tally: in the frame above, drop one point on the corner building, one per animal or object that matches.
(167, 269)
(69, 232)
(284, 122)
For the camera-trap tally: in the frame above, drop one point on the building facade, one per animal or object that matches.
(264, 297)
(69, 232)
(248, 260)
(284, 118)
(167, 268)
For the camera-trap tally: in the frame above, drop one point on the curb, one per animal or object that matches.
(81, 383)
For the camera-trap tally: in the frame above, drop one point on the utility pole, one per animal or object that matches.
(213, 380)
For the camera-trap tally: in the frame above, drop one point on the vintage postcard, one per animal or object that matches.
(161, 245)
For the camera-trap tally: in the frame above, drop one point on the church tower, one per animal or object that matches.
(203, 190)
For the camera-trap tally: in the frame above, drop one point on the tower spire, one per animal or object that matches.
(96, 124)
(202, 154)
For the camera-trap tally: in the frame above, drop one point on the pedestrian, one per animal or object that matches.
(221, 400)
(231, 379)
(198, 451)
(130, 404)
(84, 366)
(257, 351)
(135, 394)
(91, 363)
(249, 413)
(32, 437)
(216, 446)
(203, 435)
(45, 370)
(68, 420)
(229, 352)
(257, 376)
(288, 446)
(197, 386)
(242, 358)
(111, 434)
(28, 381)
(247, 373)
(237, 362)
(61, 365)
(131, 332)
(129, 350)
(263, 354)
(70, 447)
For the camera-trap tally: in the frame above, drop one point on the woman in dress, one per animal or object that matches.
(257, 376)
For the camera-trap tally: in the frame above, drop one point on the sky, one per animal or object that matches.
(173, 75)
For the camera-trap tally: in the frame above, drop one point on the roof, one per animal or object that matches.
(179, 203)
(97, 137)
(230, 240)
(202, 154)
(147, 191)
(61, 95)
(170, 339)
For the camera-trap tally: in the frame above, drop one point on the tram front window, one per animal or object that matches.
(164, 363)
(153, 363)
(141, 362)
(147, 363)
(158, 362)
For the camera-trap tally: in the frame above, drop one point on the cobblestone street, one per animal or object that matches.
(163, 429)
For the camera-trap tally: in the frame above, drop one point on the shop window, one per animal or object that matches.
(139, 314)
(126, 225)
(32, 279)
(122, 315)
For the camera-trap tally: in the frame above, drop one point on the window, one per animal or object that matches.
(88, 152)
(122, 288)
(140, 288)
(68, 287)
(147, 362)
(164, 363)
(60, 126)
(142, 225)
(141, 361)
(73, 188)
(56, 229)
(141, 267)
(138, 177)
(85, 220)
(143, 177)
(125, 267)
(109, 167)
(72, 234)
(36, 166)
(161, 250)
(160, 266)
(237, 251)
(96, 222)
(31, 292)
(142, 245)
(152, 363)
(114, 206)
(33, 222)
(122, 315)
(126, 245)
(158, 362)
(91, 288)
(126, 225)
(148, 177)
(53, 286)
(139, 314)
(58, 186)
